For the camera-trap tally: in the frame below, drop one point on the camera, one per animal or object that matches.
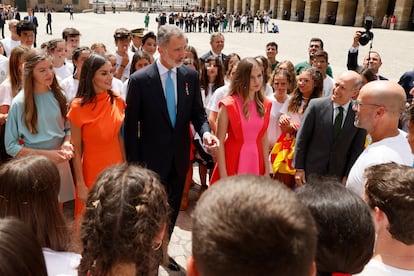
(367, 35)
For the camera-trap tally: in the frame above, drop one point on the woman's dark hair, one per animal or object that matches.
(148, 36)
(76, 53)
(86, 89)
(138, 55)
(29, 191)
(346, 233)
(265, 67)
(126, 209)
(219, 81)
(20, 253)
(226, 61)
(368, 74)
(193, 51)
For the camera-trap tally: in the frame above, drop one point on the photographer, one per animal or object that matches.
(371, 61)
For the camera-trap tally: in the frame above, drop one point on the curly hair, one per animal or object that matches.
(125, 211)
(297, 97)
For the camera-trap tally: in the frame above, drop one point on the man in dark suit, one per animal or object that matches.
(49, 22)
(2, 21)
(328, 143)
(157, 127)
(217, 45)
(16, 14)
(407, 82)
(371, 61)
(33, 19)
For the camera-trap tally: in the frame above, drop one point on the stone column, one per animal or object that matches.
(273, 6)
(207, 5)
(378, 10)
(402, 12)
(264, 5)
(297, 6)
(346, 13)
(243, 7)
(323, 12)
(230, 6)
(254, 6)
(312, 11)
(237, 5)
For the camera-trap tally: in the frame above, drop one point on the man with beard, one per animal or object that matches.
(378, 109)
(163, 98)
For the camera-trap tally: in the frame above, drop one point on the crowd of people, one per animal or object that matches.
(321, 164)
(220, 21)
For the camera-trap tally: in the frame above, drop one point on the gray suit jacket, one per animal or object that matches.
(316, 151)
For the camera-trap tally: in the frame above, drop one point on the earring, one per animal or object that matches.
(157, 246)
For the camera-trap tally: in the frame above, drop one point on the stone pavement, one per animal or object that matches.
(180, 243)
(395, 47)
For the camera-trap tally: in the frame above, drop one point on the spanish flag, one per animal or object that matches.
(281, 155)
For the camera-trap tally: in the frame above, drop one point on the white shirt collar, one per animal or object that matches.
(345, 106)
(162, 69)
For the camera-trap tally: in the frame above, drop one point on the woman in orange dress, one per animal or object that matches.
(96, 115)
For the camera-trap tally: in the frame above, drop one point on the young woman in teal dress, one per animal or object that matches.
(36, 123)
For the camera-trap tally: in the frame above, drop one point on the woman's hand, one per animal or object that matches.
(67, 150)
(82, 191)
(284, 123)
(3, 118)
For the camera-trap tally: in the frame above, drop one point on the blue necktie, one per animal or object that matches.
(170, 97)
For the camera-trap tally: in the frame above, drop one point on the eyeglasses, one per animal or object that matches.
(356, 104)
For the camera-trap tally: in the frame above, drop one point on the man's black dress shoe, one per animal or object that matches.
(172, 265)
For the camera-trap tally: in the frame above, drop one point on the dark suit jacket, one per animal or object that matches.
(149, 136)
(407, 82)
(34, 21)
(210, 53)
(352, 64)
(316, 152)
(17, 16)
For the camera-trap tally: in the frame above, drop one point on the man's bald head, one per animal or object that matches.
(386, 93)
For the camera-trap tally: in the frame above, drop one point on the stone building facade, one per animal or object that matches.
(338, 12)
(58, 5)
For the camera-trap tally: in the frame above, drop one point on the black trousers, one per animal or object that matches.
(174, 186)
(49, 27)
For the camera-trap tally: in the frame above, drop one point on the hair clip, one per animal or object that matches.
(139, 207)
(95, 203)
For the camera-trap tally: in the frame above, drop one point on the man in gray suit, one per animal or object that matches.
(328, 143)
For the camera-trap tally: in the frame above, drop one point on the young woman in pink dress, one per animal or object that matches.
(242, 124)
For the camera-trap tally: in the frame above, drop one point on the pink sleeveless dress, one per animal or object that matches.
(249, 153)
